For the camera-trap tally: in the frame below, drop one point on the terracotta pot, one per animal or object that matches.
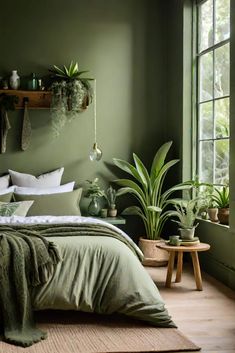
(213, 214)
(153, 256)
(223, 215)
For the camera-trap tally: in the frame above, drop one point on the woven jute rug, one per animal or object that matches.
(76, 332)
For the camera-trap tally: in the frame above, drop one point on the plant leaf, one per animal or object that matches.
(126, 167)
(82, 72)
(159, 160)
(132, 185)
(132, 210)
(66, 71)
(57, 69)
(154, 209)
(142, 171)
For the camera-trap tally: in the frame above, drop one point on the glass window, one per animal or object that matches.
(213, 63)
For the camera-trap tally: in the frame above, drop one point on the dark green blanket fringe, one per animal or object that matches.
(26, 259)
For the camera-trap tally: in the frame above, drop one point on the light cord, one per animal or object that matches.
(95, 110)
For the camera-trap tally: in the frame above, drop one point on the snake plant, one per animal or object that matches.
(221, 197)
(147, 188)
(69, 73)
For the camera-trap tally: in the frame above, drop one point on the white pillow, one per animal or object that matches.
(48, 180)
(7, 190)
(44, 191)
(4, 181)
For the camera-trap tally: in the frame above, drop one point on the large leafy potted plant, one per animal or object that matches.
(71, 94)
(147, 188)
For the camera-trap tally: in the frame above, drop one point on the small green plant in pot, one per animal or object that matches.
(95, 192)
(147, 188)
(187, 212)
(204, 192)
(221, 199)
(111, 195)
(212, 208)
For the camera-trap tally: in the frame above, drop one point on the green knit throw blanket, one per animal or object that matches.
(26, 259)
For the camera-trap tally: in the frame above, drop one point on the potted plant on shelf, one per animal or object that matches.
(95, 192)
(221, 199)
(204, 192)
(187, 212)
(71, 94)
(212, 209)
(111, 195)
(147, 188)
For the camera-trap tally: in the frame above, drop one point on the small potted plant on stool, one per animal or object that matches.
(186, 211)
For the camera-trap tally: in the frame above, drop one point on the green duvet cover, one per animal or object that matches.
(101, 273)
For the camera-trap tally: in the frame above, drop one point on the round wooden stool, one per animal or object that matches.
(193, 250)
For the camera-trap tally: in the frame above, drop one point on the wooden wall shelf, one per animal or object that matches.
(37, 99)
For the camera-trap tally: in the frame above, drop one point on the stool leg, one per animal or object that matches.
(197, 270)
(179, 267)
(170, 269)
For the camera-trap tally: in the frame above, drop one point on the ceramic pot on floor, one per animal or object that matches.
(153, 256)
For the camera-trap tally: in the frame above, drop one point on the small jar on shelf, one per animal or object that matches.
(14, 80)
(32, 82)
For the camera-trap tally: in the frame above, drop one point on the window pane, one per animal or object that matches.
(222, 162)
(222, 71)
(206, 161)
(222, 118)
(206, 120)
(205, 29)
(206, 76)
(222, 20)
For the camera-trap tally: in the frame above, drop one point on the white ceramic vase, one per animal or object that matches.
(14, 80)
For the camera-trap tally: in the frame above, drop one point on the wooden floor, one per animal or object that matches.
(206, 317)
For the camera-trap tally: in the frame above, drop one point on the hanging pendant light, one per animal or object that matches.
(95, 153)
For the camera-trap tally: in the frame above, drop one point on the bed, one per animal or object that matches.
(101, 274)
(98, 267)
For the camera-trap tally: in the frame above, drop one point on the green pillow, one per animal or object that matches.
(63, 204)
(6, 197)
(8, 209)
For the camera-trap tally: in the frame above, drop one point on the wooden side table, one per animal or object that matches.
(179, 250)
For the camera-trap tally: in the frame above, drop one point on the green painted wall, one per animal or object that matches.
(139, 52)
(122, 43)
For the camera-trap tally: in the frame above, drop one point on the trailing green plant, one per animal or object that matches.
(187, 212)
(94, 189)
(71, 94)
(147, 188)
(221, 197)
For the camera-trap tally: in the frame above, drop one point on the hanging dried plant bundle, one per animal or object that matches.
(71, 94)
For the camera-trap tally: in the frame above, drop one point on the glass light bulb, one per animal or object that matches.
(96, 153)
